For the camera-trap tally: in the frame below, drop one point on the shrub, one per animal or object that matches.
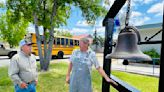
(153, 54)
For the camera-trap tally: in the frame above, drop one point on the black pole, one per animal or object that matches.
(115, 8)
(109, 23)
(161, 77)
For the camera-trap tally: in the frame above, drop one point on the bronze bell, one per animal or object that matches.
(126, 47)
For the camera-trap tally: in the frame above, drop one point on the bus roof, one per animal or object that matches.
(66, 37)
(61, 37)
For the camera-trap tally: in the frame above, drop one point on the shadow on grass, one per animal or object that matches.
(55, 58)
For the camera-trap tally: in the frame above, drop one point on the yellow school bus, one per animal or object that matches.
(62, 46)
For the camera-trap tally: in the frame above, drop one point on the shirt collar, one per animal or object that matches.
(24, 54)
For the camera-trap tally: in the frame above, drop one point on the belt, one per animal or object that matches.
(30, 82)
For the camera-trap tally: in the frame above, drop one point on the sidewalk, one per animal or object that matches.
(144, 69)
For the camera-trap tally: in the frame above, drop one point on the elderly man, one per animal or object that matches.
(80, 65)
(23, 69)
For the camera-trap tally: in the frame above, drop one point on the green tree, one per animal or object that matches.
(63, 33)
(99, 40)
(12, 32)
(52, 14)
(1, 5)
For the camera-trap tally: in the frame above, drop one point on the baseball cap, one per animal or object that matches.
(24, 42)
(85, 40)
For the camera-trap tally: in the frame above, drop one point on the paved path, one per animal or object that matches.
(132, 67)
(4, 61)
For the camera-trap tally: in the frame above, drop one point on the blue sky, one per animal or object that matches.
(142, 12)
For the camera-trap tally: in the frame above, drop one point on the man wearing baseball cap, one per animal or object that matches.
(23, 69)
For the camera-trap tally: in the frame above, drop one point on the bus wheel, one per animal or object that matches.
(60, 54)
(54, 56)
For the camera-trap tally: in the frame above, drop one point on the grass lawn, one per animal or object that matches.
(54, 80)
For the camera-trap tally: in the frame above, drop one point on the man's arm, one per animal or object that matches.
(36, 78)
(68, 72)
(13, 72)
(103, 74)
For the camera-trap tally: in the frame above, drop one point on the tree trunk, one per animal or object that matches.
(49, 51)
(45, 47)
(44, 61)
(38, 42)
(44, 36)
(51, 36)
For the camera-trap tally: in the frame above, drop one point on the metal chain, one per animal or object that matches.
(127, 14)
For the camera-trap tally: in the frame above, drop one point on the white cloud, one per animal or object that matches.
(84, 30)
(31, 29)
(137, 3)
(2, 1)
(78, 31)
(156, 9)
(99, 24)
(148, 1)
(107, 7)
(142, 1)
(138, 20)
(100, 29)
(136, 17)
(136, 14)
(61, 29)
(82, 23)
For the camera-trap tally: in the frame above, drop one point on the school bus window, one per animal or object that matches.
(55, 41)
(58, 41)
(62, 41)
(71, 42)
(66, 41)
(42, 42)
(76, 42)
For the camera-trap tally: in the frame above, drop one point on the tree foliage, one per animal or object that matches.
(91, 10)
(52, 14)
(99, 41)
(63, 33)
(12, 32)
(1, 5)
